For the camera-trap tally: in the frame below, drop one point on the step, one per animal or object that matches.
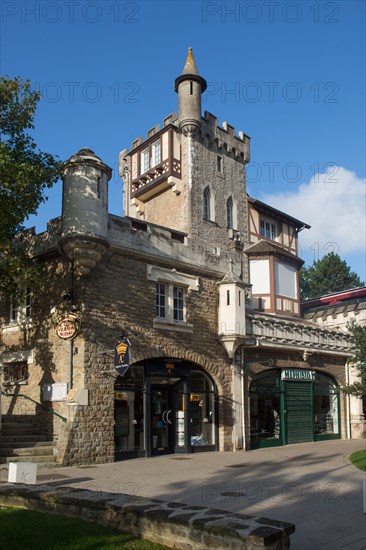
(26, 458)
(31, 451)
(18, 425)
(20, 431)
(5, 439)
(23, 444)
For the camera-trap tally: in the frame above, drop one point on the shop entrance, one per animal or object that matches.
(164, 406)
(168, 418)
(299, 411)
(293, 406)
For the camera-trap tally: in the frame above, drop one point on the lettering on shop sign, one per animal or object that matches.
(68, 327)
(294, 374)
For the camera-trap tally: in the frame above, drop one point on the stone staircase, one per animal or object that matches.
(23, 441)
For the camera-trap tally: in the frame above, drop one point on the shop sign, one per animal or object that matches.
(68, 327)
(297, 374)
(195, 397)
(120, 396)
(122, 356)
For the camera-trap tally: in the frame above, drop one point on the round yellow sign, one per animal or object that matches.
(67, 328)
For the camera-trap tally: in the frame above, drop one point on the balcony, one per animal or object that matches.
(156, 179)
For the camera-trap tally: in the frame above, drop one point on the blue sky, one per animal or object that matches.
(289, 74)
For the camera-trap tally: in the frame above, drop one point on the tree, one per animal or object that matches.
(25, 174)
(358, 339)
(330, 274)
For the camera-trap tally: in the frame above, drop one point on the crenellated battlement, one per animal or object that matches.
(170, 119)
(225, 137)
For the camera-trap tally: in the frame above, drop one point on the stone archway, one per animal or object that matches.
(165, 405)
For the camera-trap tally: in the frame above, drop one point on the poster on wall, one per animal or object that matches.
(122, 356)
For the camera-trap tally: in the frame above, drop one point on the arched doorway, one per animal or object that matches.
(164, 406)
(293, 406)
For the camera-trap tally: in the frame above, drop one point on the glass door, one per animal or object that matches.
(162, 421)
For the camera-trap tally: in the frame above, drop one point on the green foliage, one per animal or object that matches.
(327, 275)
(30, 530)
(358, 339)
(358, 459)
(25, 174)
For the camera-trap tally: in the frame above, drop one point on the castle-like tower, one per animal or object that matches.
(189, 175)
(190, 86)
(85, 209)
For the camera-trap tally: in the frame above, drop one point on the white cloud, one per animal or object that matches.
(333, 203)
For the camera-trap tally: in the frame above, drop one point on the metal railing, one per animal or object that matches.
(33, 401)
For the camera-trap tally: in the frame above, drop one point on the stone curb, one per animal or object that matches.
(172, 524)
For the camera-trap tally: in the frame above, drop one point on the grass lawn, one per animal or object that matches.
(358, 459)
(27, 530)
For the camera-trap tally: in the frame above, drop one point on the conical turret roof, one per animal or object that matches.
(190, 72)
(190, 66)
(87, 156)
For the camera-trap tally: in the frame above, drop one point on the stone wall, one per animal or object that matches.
(229, 182)
(172, 524)
(128, 305)
(48, 355)
(114, 297)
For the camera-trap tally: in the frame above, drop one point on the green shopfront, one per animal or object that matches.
(293, 406)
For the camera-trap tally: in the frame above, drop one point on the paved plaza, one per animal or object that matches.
(313, 485)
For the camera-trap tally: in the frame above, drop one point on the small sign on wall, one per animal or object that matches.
(54, 392)
(68, 327)
(122, 355)
(298, 374)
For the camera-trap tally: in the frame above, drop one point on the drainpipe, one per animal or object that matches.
(242, 378)
(241, 369)
(71, 350)
(71, 347)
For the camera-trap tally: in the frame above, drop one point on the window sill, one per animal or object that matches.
(14, 327)
(276, 240)
(178, 327)
(212, 222)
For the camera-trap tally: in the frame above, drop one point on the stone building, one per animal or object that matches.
(197, 285)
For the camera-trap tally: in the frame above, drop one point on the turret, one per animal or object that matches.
(189, 86)
(85, 209)
(233, 295)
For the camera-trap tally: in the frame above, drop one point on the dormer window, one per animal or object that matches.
(268, 230)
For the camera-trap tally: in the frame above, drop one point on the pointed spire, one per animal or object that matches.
(230, 276)
(190, 66)
(190, 72)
